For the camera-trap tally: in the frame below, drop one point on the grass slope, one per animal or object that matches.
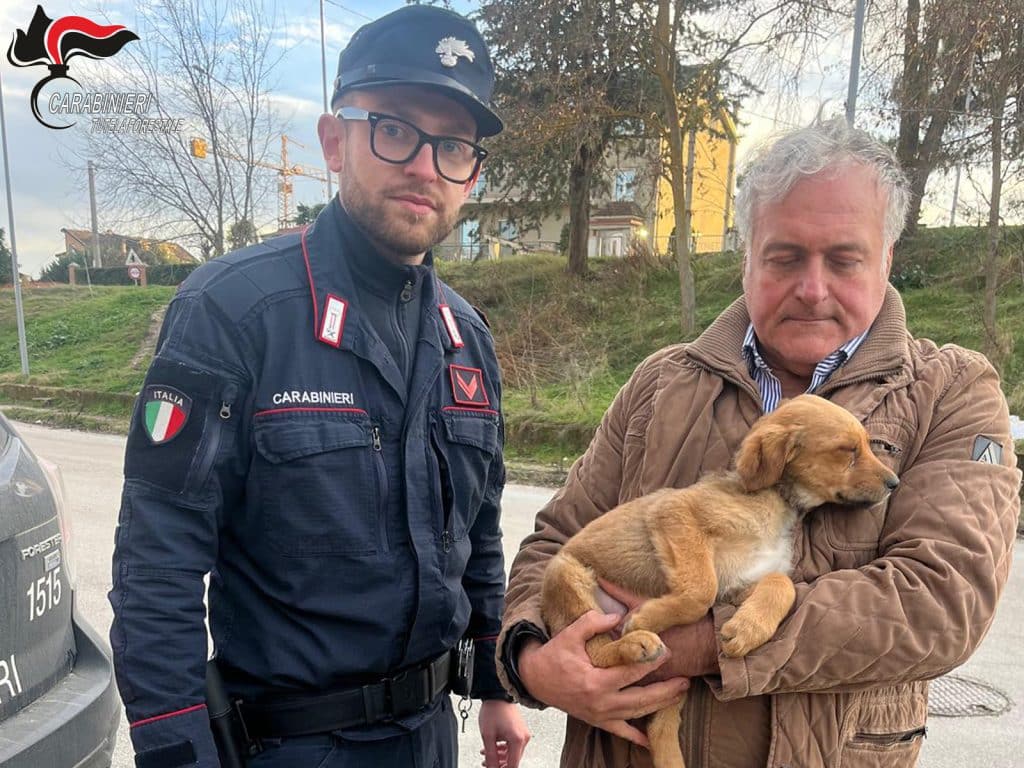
(566, 345)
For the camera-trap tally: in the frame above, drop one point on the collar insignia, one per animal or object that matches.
(450, 50)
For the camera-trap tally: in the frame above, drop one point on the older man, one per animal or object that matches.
(887, 597)
(320, 431)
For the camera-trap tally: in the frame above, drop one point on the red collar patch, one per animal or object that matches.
(468, 386)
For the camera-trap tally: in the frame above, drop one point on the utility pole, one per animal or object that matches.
(858, 34)
(323, 66)
(15, 274)
(96, 262)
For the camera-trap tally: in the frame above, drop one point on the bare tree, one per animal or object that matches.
(1000, 88)
(210, 66)
(703, 63)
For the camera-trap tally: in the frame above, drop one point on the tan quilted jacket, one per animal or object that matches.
(887, 597)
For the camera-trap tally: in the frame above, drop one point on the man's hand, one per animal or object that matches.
(560, 673)
(693, 647)
(503, 732)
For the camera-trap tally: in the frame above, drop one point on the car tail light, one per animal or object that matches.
(56, 482)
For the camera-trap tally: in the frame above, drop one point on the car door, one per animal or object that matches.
(37, 645)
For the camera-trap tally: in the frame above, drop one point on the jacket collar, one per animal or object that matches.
(329, 246)
(885, 350)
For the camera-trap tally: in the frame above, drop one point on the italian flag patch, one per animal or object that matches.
(165, 411)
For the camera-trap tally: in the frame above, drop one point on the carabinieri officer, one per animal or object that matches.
(320, 432)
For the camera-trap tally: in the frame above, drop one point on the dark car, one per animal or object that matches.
(58, 703)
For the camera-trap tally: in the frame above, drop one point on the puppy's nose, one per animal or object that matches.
(892, 482)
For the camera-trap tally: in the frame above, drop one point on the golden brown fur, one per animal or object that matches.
(728, 538)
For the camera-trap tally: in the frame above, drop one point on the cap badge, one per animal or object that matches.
(450, 50)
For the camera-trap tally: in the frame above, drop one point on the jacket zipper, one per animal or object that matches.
(210, 454)
(695, 706)
(382, 484)
(889, 739)
(446, 494)
(885, 445)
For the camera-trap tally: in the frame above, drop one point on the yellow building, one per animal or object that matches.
(714, 180)
(635, 205)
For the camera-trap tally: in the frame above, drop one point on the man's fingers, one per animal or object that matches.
(626, 731)
(491, 754)
(641, 700)
(515, 752)
(593, 623)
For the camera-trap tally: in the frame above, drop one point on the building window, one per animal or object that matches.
(507, 229)
(480, 188)
(624, 182)
(469, 239)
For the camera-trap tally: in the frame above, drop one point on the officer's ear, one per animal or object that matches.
(332, 140)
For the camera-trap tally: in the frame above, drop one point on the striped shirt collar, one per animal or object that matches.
(768, 383)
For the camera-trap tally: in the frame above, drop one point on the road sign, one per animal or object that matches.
(134, 271)
(133, 258)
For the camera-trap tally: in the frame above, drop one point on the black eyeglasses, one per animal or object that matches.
(396, 141)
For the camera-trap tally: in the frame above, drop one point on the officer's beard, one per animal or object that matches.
(401, 236)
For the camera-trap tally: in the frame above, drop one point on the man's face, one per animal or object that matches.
(404, 209)
(816, 272)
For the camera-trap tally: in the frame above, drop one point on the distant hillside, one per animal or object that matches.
(566, 345)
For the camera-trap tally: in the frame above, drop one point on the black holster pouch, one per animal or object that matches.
(229, 734)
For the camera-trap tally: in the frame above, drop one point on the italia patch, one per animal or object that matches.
(468, 386)
(165, 411)
(987, 451)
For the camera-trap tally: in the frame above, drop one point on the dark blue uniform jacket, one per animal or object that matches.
(348, 517)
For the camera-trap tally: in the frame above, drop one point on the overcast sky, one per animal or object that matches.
(47, 198)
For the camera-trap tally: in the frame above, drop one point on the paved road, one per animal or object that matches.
(92, 475)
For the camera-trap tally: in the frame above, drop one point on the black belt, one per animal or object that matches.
(393, 697)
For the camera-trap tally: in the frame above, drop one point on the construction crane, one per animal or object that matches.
(198, 149)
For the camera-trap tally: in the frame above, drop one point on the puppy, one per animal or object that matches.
(728, 538)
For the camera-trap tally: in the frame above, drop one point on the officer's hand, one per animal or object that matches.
(560, 673)
(503, 732)
(693, 647)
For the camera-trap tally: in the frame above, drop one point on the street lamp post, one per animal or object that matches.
(15, 274)
(858, 35)
(323, 72)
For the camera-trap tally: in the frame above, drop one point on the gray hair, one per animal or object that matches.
(795, 155)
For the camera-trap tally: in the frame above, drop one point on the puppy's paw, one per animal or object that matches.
(640, 646)
(741, 634)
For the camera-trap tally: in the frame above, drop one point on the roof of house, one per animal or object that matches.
(618, 209)
(84, 238)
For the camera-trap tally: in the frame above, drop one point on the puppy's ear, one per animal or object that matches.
(763, 455)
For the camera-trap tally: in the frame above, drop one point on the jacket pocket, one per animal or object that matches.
(466, 444)
(884, 727)
(853, 534)
(319, 483)
(892, 749)
(176, 428)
